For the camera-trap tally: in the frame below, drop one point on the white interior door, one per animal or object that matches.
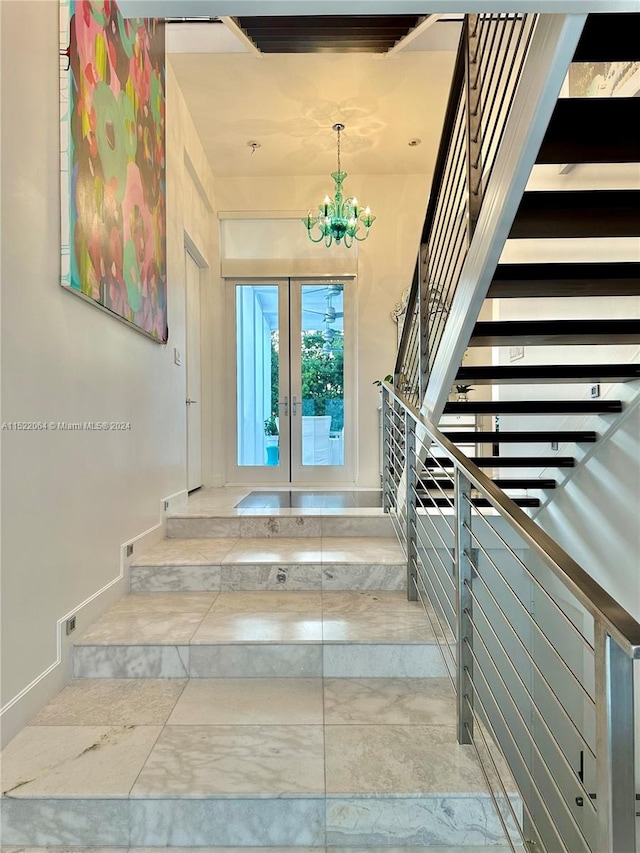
(194, 374)
(290, 412)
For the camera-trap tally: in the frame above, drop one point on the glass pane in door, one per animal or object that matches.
(322, 362)
(257, 374)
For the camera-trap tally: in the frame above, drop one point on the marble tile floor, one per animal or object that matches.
(67, 849)
(171, 747)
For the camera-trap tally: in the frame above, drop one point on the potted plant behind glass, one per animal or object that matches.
(271, 440)
(463, 392)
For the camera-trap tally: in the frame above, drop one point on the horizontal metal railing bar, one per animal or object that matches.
(538, 628)
(493, 734)
(619, 623)
(443, 647)
(444, 592)
(539, 672)
(530, 695)
(478, 667)
(431, 542)
(588, 645)
(447, 497)
(481, 727)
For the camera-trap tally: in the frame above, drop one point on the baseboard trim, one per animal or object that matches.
(16, 713)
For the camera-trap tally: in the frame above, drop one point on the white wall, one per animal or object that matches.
(70, 499)
(384, 269)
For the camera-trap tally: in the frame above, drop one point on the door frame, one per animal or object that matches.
(283, 475)
(191, 251)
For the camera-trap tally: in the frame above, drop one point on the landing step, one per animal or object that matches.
(534, 407)
(425, 500)
(508, 437)
(548, 374)
(577, 213)
(509, 462)
(187, 524)
(610, 37)
(592, 130)
(226, 564)
(504, 483)
(522, 281)
(555, 332)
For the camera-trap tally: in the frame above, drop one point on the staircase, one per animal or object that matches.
(265, 684)
(582, 132)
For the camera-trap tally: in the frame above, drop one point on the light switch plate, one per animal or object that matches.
(177, 356)
(515, 353)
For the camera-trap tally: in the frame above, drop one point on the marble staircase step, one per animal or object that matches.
(292, 563)
(227, 762)
(189, 523)
(253, 634)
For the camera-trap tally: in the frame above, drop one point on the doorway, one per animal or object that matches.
(290, 383)
(193, 372)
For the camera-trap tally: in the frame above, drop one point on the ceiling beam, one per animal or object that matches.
(188, 8)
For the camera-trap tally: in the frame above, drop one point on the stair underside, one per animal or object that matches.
(534, 407)
(427, 500)
(551, 214)
(519, 281)
(508, 437)
(503, 482)
(611, 37)
(509, 462)
(592, 130)
(547, 374)
(555, 332)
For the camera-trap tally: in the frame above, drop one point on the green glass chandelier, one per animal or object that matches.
(342, 219)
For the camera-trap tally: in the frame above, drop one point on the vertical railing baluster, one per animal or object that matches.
(386, 453)
(464, 601)
(474, 121)
(615, 753)
(410, 463)
(423, 291)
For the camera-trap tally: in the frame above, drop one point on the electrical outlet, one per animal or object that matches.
(129, 549)
(70, 625)
(554, 445)
(595, 391)
(515, 353)
(177, 356)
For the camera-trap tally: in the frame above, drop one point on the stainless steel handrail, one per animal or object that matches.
(619, 622)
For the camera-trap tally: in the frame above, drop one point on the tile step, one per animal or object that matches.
(259, 660)
(188, 525)
(268, 577)
(431, 821)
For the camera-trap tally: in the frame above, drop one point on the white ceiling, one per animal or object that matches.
(289, 102)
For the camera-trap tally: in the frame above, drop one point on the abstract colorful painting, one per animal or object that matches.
(112, 97)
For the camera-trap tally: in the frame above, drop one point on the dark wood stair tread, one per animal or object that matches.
(534, 407)
(509, 462)
(592, 130)
(425, 500)
(447, 484)
(524, 281)
(577, 213)
(547, 374)
(514, 437)
(609, 37)
(555, 332)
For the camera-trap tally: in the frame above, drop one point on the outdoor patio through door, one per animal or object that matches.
(290, 383)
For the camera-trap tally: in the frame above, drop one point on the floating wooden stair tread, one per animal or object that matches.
(555, 332)
(509, 437)
(577, 213)
(610, 37)
(547, 374)
(426, 500)
(592, 130)
(503, 482)
(534, 407)
(509, 462)
(523, 281)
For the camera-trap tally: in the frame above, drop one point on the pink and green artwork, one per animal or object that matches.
(112, 97)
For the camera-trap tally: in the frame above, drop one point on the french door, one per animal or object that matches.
(290, 381)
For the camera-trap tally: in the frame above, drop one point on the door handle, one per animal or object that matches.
(190, 402)
(285, 403)
(294, 405)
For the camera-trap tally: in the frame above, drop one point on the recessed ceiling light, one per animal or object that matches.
(413, 143)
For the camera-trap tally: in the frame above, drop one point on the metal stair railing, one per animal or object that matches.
(541, 657)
